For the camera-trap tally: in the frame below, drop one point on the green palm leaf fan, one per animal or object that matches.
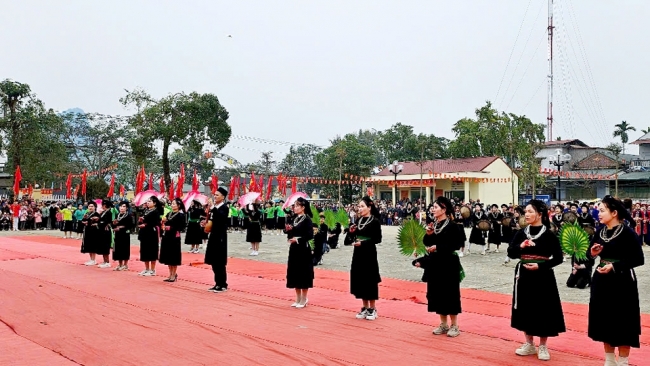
(574, 240)
(409, 238)
(330, 219)
(342, 218)
(315, 214)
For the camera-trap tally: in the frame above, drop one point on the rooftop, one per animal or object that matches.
(445, 166)
(572, 142)
(645, 139)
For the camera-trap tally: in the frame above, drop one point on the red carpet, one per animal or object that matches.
(57, 311)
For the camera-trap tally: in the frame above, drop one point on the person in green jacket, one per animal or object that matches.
(280, 217)
(78, 215)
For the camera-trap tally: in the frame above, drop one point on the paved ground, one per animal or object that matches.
(483, 272)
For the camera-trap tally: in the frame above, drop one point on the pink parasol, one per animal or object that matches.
(248, 198)
(143, 197)
(194, 196)
(292, 199)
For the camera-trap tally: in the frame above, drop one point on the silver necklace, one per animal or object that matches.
(478, 215)
(298, 220)
(527, 232)
(437, 230)
(495, 215)
(172, 215)
(558, 217)
(363, 225)
(584, 215)
(617, 232)
(120, 216)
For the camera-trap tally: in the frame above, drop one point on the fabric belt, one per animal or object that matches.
(605, 261)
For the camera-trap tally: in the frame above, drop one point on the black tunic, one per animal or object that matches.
(586, 220)
(333, 241)
(216, 252)
(104, 233)
(494, 235)
(614, 313)
(458, 219)
(254, 229)
(300, 268)
(364, 270)
(91, 234)
(194, 234)
(507, 232)
(442, 270)
(170, 244)
(320, 239)
(149, 236)
(536, 305)
(122, 241)
(477, 235)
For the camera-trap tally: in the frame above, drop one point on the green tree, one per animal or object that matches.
(621, 131)
(30, 134)
(400, 143)
(646, 130)
(180, 118)
(346, 155)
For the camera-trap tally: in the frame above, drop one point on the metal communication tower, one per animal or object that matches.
(549, 108)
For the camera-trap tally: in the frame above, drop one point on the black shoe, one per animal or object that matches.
(213, 289)
(220, 289)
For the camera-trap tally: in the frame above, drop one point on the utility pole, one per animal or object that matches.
(341, 153)
(549, 110)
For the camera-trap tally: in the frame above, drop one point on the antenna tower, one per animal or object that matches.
(549, 108)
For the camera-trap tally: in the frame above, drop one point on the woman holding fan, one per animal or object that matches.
(170, 245)
(536, 306)
(254, 228)
(194, 234)
(149, 235)
(300, 268)
(364, 270)
(442, 269)
(614, 315)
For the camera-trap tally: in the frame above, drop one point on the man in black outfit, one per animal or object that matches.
(216, 253)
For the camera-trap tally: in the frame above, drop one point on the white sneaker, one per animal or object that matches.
(496, 250)
(256, 253)
(453, 331)
(460, 254)
(143, 273)
(483, 251)
(90, 263)
(295, 304)
(118, 268)
(543, 353)
(362, 314)
(623, 361)
(252, 252)
(371, 314)
(442, 329)
(526, 349)
(105, 265)
(150, 273)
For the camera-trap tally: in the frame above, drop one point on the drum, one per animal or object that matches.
(506, 221)
(484, 225)
(465, 212)
(590, 230)
(554, 228)
(569, 217)
(522, 222)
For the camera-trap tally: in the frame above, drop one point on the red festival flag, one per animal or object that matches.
(150, 184)
(179, 188)
(170, 193)
(111, 188)
(68, 186)
(195, 182)
(269, 187)
(18, 176)
(163, 190)
(121, 190)
(231, 190)
(214, 184)
(84, 179)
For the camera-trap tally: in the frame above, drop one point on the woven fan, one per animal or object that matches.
(315, 213)
(342, 218)
(409, 238)
(312, 244)
(574, 240)
(330, 219)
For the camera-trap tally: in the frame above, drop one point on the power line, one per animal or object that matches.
(512, 51)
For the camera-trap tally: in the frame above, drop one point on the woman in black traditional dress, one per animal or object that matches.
(333, 236)
(105, 233)
(194, 234)
(149, 235)
(90, 239)
(614, 313)
(122, 226)
(494, 235)
(536, 305)
(300, 268)
(513, 228)
(320, 240)
(477, 236)
(170, 245)
(442, 267)
(364, 270)
(254, 230)
(457, 218)
(558, 216)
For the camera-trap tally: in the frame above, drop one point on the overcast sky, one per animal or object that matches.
(305, 71)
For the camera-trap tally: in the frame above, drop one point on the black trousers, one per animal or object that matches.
(220, 275)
